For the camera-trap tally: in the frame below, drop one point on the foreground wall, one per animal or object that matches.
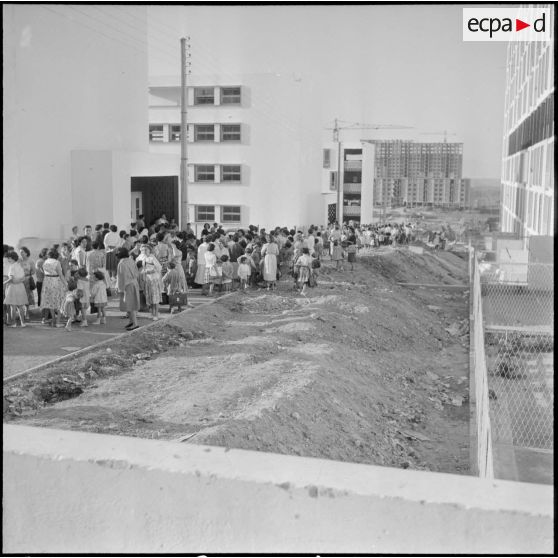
(77, 492)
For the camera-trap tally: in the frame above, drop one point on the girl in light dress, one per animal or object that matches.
(16, 296)
(68, 308)
(304, 267)
(244, 272)
(84, 287)
(99, 296)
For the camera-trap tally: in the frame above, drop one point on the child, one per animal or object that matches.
(68, 307)
(218, 280)
(227, 273)
(253, 266)
(141, 283)
(244, 272)
(99, 297)
(337, 255)
(174, 283)
(83, 286)
(351, 254)
(72, 275)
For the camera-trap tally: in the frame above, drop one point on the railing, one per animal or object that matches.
(351, 210)
(352, 165)
(352, 188)
(484, 460)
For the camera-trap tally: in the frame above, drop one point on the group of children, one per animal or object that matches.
(84, 293)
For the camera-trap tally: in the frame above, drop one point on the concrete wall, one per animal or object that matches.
(71, 82)
(77, 492)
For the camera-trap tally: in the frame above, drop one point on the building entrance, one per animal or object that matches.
(154, 196)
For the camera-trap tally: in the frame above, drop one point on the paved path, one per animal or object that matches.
(36, 344)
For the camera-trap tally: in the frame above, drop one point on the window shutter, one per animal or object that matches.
(190, 135)
(217, 133)
(190, 96)
(190, 170)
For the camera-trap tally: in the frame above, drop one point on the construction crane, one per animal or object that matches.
(444, 133)
(353, 126)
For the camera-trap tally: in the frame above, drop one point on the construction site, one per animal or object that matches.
(370, 367)
(379, 366)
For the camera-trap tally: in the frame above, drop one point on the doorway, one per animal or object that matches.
(157, 195)
(137, 205)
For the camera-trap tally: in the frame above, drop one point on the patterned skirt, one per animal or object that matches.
(53, 293)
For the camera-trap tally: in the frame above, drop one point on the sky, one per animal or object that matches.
(399, 64)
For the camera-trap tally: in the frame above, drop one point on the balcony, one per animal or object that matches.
(351, 210)
(352, 188)
(353, 166)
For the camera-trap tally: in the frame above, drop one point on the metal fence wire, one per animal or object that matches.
(518, 311)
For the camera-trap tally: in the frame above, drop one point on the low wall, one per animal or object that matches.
(74, 492)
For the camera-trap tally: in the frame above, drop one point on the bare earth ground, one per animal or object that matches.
(362, 370)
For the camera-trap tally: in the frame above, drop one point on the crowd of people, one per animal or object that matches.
(151, 266)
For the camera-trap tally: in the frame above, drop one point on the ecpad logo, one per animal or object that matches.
(493, 25)
(507, 24)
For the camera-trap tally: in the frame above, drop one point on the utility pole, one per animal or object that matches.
(339, 192)
(184, 71)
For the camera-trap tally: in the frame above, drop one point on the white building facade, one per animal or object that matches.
(527, 194)
(75, 114)
(252, 148)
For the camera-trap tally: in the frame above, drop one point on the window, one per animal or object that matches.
(204, 96)
(333, 180)
(204, 132)
(175, 132)
(327, 158)
(231, 214)
(230, 132)
(156, 132)
(230, 95)
(204, 173)
(230, 173)
(205, 213)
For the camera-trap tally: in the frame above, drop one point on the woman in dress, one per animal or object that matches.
(304, 267)
(29, 269)
(177, 259)
(16, 295)
(54, 287)
(210, 267)
(110, 242)
(128, 287)
(200, 270)
(270, 251)
(162, 251)
(96, 259)
(153, 281)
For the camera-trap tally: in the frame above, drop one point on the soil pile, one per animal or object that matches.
(363, 369)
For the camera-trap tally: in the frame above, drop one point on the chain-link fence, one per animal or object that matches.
(518, 310)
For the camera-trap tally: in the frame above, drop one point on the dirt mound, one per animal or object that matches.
(362, 369)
